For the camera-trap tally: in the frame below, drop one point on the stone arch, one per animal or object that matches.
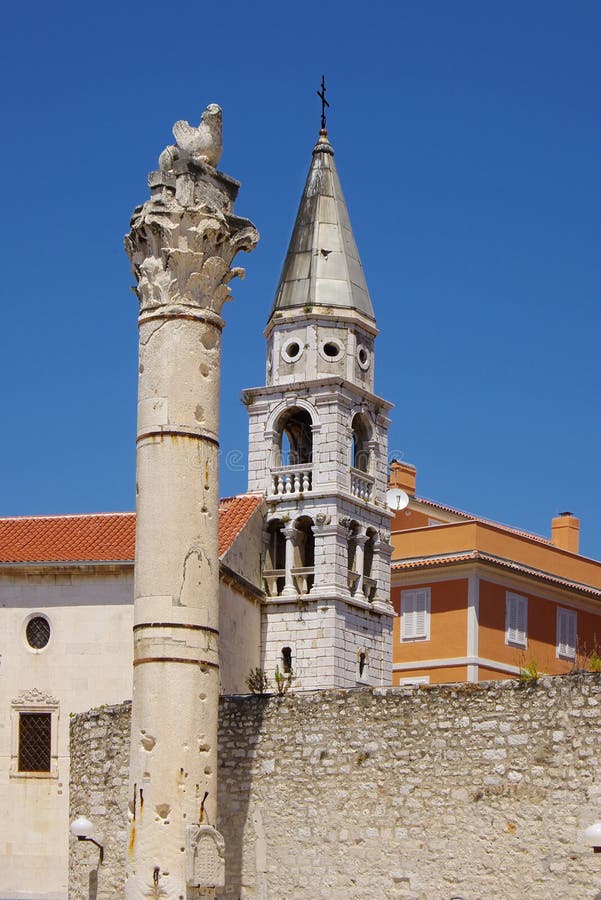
(281, 407)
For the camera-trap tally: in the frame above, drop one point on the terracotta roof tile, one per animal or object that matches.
(101, 537)
(234, 513)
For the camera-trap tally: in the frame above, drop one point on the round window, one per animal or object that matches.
(363, 356)
(291, 351)
(332, 350)
(37, 632)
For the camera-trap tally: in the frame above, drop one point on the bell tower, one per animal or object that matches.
(318, 449)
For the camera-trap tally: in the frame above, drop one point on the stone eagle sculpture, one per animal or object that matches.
(202, 144)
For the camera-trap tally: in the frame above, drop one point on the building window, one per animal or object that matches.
(35, 730)
(34, 740)
(287, 660)
(516, 619)
(566, 633)
(415, 615)
(362, 664)
(37, 632)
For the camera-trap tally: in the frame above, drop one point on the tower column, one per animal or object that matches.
(291, 535)
(181, 245)
(360, 541)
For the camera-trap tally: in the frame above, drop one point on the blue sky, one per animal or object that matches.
(468, 140)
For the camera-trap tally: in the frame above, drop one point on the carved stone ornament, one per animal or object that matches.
(205, 857)
(323, 519)
(183, 240)
(34, 697)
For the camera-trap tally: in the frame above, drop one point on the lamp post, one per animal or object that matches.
(82, 829)
(592, 837)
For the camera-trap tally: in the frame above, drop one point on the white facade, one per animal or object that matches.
(86, 663)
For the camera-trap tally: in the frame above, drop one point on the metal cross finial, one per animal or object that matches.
(324, 102)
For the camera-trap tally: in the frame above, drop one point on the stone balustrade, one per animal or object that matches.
(287, 480)
(302, 576)
(362, 484)
(369, 588)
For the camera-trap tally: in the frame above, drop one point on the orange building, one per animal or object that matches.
(476, 600)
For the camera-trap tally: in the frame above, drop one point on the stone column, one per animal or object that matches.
(360, 541)
(291, 535)
(181, 245)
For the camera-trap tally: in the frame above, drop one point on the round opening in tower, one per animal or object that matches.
(291, 351)
(332, 350)
(363, 357)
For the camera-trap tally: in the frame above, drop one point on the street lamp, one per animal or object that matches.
(592, 836)
(82, 829)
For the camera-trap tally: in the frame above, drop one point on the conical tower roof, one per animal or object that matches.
(322, 269)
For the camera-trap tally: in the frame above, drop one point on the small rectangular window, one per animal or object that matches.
(415, 615)
(516, 619)
(566, 633)
(34, 742)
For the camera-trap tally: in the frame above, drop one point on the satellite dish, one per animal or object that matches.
(396, 499)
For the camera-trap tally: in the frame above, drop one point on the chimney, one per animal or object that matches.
(403, 476)
(565, 531)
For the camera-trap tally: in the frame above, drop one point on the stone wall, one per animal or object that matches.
(479, 790)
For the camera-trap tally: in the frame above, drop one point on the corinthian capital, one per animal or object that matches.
(184, 238)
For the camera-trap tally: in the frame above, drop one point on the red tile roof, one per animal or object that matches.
(430, 562)
(101, 537)
(234, 513)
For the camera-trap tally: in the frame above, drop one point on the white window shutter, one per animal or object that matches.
(415, 613)
(516, 619)
(420, 623)
(566, 633)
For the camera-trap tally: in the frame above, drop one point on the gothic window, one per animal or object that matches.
(361, 437)
(294, 438)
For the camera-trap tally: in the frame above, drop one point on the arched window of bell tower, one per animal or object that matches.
(294, 438)
(361, 435)
(368, 552)
(305, 544)
(276, 545)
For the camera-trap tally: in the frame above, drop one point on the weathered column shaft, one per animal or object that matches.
(181, 245)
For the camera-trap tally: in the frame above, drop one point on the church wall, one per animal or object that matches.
(477, 790)
(239, 642)
(86, 661)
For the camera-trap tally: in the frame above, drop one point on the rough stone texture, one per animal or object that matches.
(99, 779)
(477, 790)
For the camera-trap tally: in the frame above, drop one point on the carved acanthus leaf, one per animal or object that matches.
(183, 260)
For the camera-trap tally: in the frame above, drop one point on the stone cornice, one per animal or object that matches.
(315, 385)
